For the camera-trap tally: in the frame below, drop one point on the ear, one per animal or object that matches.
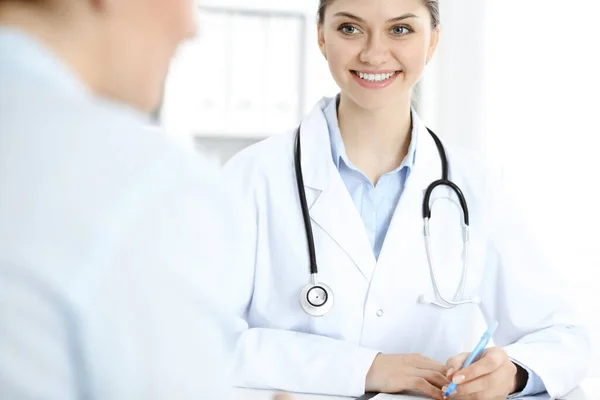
(321, 39)
(433, 43)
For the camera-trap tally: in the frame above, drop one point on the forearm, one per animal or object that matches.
(300, 362)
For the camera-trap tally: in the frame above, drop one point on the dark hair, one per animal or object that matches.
(432, 5)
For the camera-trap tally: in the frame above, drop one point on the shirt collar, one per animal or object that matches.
(338, 149)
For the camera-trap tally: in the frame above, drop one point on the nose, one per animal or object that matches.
(376, 51)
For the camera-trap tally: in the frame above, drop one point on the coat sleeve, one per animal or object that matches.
(524, 292)
(285, 359)
(300, 362)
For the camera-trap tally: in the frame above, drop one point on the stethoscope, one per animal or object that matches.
(316, 298)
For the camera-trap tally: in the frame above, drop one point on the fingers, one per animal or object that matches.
(472, 396)
(455, 363)
(421, 385)
(470, 389)
(437, 379)
(425, 363)
(487, 377)
(489, 362)
(283, 397)
(398, 373)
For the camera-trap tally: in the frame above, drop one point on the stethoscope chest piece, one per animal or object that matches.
(316, 299)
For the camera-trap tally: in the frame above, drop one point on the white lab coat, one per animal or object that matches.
(376, 306)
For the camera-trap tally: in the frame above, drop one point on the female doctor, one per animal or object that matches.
(377, 246)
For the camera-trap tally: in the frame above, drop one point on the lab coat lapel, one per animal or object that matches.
(331, 206)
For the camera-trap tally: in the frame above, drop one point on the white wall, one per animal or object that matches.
(318, 81)
(542, 90)
(518, 82)
(451, 96)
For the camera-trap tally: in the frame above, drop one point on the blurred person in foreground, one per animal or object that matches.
(116, 246)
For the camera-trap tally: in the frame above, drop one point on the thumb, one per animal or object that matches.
(283, 397)
(455, 363)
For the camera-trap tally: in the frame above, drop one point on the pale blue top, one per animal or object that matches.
(375, 203)
(111, 241)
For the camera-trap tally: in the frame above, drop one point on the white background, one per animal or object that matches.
(541, 125)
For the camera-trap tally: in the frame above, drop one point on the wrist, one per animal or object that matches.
(373, 382)
(520, 379)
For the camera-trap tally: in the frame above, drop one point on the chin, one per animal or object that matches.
(375, 100)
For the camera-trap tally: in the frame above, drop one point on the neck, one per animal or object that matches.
(70, 39)
(376, 141)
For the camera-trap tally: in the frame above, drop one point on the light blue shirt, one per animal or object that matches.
(111, 241)
(377, 203)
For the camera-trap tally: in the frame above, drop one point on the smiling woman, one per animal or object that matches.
(366, 49)
(342, 199)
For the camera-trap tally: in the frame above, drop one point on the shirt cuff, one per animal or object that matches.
(534, 383)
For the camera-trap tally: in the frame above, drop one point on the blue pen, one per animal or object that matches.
(483, 342)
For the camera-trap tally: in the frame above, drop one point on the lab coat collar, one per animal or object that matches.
(332, 207)
(318, 167)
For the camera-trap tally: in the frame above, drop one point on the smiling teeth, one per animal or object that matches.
(375, 77)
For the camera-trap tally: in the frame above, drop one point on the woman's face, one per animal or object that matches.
(377, 49)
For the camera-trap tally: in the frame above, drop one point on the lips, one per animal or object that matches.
(375, 76)
(375, 79)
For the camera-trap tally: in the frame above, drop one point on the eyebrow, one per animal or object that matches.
(359, 19)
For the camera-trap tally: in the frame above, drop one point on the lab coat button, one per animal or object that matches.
(379, 313)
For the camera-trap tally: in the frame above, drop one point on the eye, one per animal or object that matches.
(400, 30)
(348, 29)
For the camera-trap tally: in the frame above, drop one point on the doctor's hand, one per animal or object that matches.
(396, 373)
(492, 377)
